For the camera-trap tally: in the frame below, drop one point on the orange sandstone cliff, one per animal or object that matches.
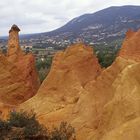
(18, 77)
(100, 104)
(71, 71)
(25, 63)
(131, 46)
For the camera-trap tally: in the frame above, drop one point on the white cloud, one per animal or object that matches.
(44, 15)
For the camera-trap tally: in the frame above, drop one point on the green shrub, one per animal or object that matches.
(42, 74)
(24, 126)
(20, 119)
(4, 129)
(45, 63)
(32, 128)
(64, 132)
(43, 67)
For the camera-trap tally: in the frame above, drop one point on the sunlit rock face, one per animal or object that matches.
(71, 70)
(131, 46)
(100, 104)
(18, 77)
(117, 100)
(25, 63)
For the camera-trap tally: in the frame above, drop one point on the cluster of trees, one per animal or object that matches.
(107, 54)
(24, 126)
(43, 66)
(43, 63)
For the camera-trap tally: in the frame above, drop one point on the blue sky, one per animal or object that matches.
(34, 16)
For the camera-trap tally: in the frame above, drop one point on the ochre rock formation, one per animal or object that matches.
(18, 77)
(123, 111)
(100, 104)
(131, 46)
(115, 115)
(25, 63)
(14, 51)
(71, 71)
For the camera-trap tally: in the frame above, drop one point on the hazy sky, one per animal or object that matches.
(34, 16)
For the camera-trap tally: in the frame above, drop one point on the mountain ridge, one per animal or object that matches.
(101, 26)
(98, 12)
(94, 13)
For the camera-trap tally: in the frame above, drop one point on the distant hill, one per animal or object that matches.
(113, 16)
(103, 25)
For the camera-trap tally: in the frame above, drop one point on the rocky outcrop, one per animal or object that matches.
(116, 95)
(25, 63)
(18, 77)
(14, 51)
(116, 115)
(131, 46)
(71, 71)
(100, 104)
